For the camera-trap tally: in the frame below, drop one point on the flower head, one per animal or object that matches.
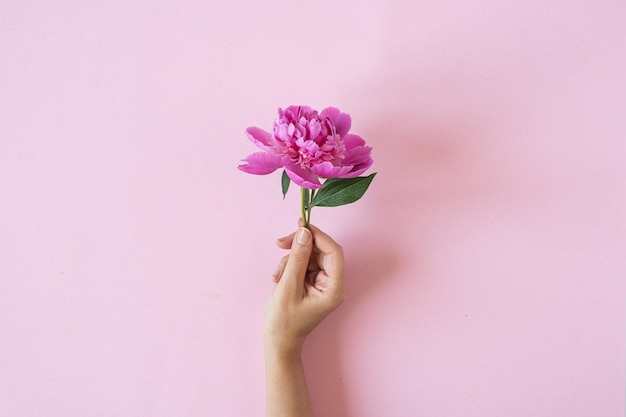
(308, 145)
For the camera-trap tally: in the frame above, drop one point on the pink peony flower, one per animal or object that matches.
(309, 145)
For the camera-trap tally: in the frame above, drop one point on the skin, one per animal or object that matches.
(309, 286)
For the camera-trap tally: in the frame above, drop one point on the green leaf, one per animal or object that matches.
(285, 181)
(341, 191)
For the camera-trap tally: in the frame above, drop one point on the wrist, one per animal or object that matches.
(282, 351)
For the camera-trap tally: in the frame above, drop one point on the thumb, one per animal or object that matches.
(292, 279)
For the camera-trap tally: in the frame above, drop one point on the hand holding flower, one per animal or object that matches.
(310, 285)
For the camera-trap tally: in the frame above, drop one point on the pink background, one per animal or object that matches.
(486, 263)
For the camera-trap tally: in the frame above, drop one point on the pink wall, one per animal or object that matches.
(486, 263)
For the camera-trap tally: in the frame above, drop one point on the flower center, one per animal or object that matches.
(307, 139)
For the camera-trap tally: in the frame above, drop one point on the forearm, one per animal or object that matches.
(286, 390)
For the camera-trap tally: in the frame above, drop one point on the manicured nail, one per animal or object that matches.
(303, 236)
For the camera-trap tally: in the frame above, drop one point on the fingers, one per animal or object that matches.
(279, 269)
(292, 279)
(278, 272)
(322, 243)
(325, 261)
(285, 241)
(330, 257)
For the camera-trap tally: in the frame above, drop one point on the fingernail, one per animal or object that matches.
(303, 236)
(276, 273)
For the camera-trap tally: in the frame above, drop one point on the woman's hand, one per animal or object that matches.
(309, 285)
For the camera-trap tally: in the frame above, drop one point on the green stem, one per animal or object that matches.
(305, 203)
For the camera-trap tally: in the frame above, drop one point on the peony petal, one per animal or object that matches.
(302, 109)
(332, 113)
(261, 163)
(260, 138)
(357, 155)
(328, 170)
(344, 124)
(303, 177)
(352, 141)
(359, 169)
(342, 121)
